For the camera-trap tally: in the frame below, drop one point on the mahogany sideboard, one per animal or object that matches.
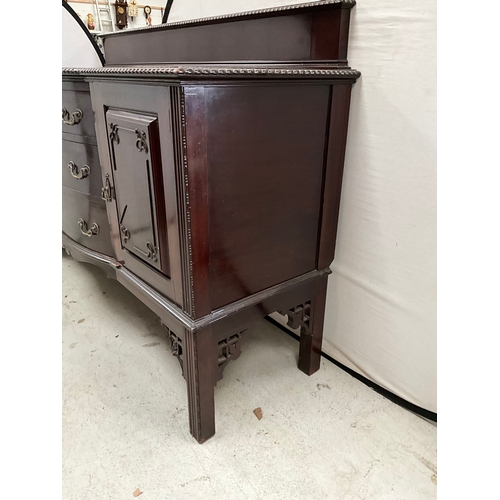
(210, 187)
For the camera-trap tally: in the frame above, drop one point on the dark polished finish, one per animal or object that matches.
(221, 180)
(252, 224)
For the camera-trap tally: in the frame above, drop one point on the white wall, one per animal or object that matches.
(381, 304)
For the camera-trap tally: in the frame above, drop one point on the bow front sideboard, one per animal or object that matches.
(202, 169)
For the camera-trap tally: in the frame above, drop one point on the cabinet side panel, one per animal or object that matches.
(341, 98)
(265, 154)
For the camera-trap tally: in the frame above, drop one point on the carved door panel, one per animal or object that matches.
(138, 186)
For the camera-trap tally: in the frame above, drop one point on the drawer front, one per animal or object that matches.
(77, 113)
(81, 170)
(84, 220)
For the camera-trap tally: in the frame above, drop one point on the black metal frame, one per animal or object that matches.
(167, 11)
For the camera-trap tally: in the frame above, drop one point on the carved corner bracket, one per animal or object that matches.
(227, 350)
(177, 348)
(299, 316)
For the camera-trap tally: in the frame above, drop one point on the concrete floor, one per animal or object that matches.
(125, 423)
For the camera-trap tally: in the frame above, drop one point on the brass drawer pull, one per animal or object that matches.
(73, 118)
(84, 171)
(94, 229)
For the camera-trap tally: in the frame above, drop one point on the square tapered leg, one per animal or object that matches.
(199, 370)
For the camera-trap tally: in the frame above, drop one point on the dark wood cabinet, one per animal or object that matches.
(222, 180)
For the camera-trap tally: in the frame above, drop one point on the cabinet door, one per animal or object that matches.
(138, 184)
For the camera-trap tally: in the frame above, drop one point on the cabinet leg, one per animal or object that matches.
(199, 371)
(311, 334)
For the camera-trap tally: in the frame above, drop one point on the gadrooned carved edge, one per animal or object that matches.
(271, 10)
(203, 71)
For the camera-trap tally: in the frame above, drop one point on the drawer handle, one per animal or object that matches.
(73, 118)
(94, 228)
(84, 171)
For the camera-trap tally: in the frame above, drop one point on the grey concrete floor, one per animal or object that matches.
(125, 423)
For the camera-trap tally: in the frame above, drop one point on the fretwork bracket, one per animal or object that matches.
(228, 349)
(299, 316)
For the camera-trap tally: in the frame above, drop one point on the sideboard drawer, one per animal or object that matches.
(77, 113)
(84, 219)
(81, 170)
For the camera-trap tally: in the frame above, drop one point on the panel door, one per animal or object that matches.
(138, 186)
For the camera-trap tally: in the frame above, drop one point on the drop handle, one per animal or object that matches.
(72, 118)
(84, 171)
(93, 231)
(107, 192)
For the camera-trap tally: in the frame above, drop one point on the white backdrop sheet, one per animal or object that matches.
(381, 305)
